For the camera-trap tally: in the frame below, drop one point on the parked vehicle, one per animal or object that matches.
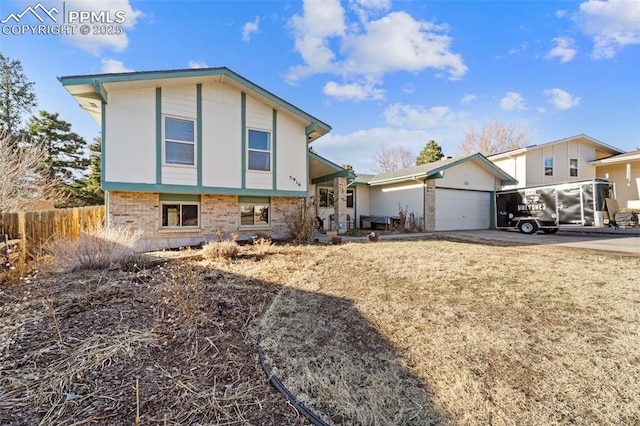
(552, 207)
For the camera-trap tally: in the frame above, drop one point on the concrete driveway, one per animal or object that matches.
(623, 241)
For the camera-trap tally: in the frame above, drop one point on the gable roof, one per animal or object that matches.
(322, 170)
(436, 170)
(91, 90)
(517, 151)
(621, 158)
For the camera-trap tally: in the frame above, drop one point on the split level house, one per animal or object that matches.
(574, 158)
(187, 154)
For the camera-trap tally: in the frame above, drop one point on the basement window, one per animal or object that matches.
(180, 211)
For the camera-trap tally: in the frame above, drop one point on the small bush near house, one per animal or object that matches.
(99, 248)
(301, 223)
(218, 250)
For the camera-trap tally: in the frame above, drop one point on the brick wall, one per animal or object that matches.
(217, 212)
(430, 205)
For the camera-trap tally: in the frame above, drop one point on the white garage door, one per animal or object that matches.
(456, 209)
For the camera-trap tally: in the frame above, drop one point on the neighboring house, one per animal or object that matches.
(188, 153)
(450, 194)
(558, 161)
(624, 170)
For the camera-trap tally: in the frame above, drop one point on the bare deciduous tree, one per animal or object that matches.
(394, 158)
(22, 175)
(494, 137)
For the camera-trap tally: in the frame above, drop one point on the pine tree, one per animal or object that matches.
(430, 153)
(92, 192)
(64, 148)
(16, 97)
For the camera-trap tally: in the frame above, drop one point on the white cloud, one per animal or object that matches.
(368, 49)
(197, 64)
(397, 42)
(365, 9)
(94, 43)
(512, 102)
(250, 28)
(418, 117)
(353, 91)
(612, 24)
(112, 66)
(468, 98)
(565, 49)
(561, 13)
(321, 20)
(561, 99)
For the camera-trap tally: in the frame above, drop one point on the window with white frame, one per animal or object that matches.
(254, 211)
(178, 215)
(179, 141)
(259, 150)
(548, 166)
(573, 167)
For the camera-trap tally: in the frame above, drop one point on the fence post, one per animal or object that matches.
(22, 233)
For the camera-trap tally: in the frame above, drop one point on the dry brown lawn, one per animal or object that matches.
(388, 333)
(443, 332)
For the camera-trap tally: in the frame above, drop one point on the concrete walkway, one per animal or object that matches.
(604, 239)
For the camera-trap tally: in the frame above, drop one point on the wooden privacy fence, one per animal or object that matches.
(37, 227)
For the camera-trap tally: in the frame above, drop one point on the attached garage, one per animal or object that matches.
(458, 209)
(446, 195)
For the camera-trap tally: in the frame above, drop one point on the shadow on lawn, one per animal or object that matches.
(157, 341)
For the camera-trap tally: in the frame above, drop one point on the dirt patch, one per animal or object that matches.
(171, 343)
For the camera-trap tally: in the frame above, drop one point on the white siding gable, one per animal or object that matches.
(130, 138)
(179, 102)
(291, 154)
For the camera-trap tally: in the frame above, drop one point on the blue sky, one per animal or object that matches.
(377, 71)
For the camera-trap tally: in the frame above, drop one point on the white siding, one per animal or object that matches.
(180, 102)
(259, 117)
(291, 154)
(387, 200)
(130, 136)
(221, 136)
(468, 176)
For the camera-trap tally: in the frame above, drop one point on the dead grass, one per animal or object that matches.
(479, 335)
(99, 248)
(220, 250)
(394, 333)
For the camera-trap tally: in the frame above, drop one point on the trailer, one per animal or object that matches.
(552, 207)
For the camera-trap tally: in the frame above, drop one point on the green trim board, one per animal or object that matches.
(243, 138)
(179, 197)
(103, 145)
(199, 133)
(274, 147)
(209, 190)
(327, 178)
(99, 89)
(186, 73)
(254, 199)
(158, 135)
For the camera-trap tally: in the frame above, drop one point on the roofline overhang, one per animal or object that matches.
(517, 151)
(339, 171)
(314, 130)
(613, 160)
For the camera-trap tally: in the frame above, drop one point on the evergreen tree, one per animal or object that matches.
(64, 148)
(92, 192)
(430, 153)
(16, 97)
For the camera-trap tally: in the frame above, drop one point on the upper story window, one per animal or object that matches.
(259, 150)
(548, 166)
(179, 139)
(573, 167)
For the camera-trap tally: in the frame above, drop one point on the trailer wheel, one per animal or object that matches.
(528, 227)
(550, 230)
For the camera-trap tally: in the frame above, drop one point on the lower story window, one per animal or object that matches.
(178, 212)
(254, 211)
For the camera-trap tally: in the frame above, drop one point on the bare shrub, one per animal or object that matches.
(403, 218)
(22, 177)
(301, 222)
(98, 248)
(415, 222)
(219, 250)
